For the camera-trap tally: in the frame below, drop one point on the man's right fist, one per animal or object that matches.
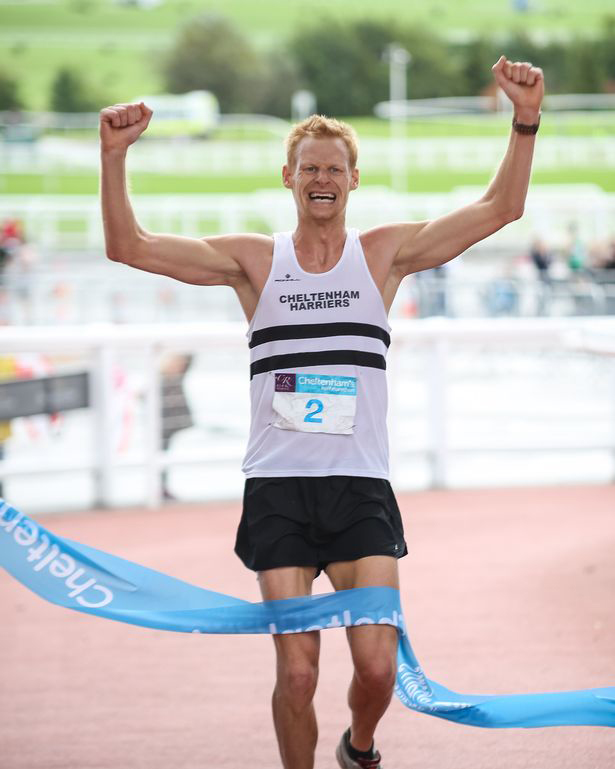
(122, 124)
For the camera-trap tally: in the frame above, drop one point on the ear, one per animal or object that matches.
(286, 176)
(354, 179)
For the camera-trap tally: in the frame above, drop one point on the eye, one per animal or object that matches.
(310, 169)
(335, 170)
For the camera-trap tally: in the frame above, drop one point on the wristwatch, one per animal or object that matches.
(524, 128)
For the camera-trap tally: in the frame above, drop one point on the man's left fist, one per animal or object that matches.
(524, 86)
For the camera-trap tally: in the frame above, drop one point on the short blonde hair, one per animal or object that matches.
(321, 127)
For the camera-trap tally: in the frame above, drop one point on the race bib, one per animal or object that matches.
(315, 403)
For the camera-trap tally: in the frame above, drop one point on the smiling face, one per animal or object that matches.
(321, 177)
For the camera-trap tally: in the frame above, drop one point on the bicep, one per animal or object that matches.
(424, 245)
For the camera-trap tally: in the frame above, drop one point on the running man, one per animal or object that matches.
(317, 496)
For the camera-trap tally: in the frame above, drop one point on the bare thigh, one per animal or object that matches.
(368, 642)
(290, 582)
(372, 571)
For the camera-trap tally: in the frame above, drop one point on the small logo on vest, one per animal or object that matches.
(285, 383)
(287, 279)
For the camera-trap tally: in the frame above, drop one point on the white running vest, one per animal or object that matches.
(318, 343)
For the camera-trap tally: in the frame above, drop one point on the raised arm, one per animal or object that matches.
(422, 245)
(208, 261)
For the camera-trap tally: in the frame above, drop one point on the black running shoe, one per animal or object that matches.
(346, 762)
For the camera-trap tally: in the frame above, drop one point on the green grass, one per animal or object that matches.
(120, 47)
(268, 20)
(114, 72)
(169, 184)
(586, 124)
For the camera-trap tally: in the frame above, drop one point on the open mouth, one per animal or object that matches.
(322, 197)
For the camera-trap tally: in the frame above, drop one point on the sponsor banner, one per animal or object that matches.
(321, 384)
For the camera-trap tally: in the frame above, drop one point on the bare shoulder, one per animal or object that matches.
(381, 245)
(388, 238)
(242, 246)
(251, 252)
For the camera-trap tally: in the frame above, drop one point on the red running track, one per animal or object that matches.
(507, 590)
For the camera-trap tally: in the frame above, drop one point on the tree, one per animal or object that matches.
(347, 78)
(589, 73)
(607, 47)
(9, 93)
(477, 58)
(70, 93)
(344, 64)
(210, 54)
(278, 83)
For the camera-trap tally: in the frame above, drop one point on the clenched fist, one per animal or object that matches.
(523, 84)
(122, 124)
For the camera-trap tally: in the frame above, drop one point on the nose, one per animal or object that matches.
(322, 175)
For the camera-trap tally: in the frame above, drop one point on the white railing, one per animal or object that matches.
(230, 158)
(445, 377)
(77, 292)
(75, 222)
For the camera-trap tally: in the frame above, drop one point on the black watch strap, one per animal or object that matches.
(524, 128)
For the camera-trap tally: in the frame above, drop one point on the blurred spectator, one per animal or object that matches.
(11, 235)
(9, 230)
(8, 370)
(432, 289)
(604, 256)
(576, 256)
(603, 273)
(574, 250)
(176, 414)
(502, 297)
(542, 258)
(16, 260)
(609, 262)
(22, 366)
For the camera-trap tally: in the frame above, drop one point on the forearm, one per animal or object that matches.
(508, 190)
(122, 231)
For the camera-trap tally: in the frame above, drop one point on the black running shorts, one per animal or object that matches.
(317, 521)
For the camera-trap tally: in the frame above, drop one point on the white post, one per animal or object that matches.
(398, 59)
(437, 404)
(101, 398)
(153, 427)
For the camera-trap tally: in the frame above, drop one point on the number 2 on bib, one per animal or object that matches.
(311, 416)
(312, 402)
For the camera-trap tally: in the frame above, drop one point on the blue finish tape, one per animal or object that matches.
(88, 580)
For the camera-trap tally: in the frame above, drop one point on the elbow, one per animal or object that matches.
(115, 254)
(510, 214)
(125, 252)
(503, 212)
(112, 255)
(516, 213)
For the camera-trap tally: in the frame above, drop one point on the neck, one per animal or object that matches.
(319, 245)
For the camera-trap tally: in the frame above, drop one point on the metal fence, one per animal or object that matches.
(75, 294)
(471, 403)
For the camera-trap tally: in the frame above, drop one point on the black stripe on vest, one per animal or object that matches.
(322, 358)
(316, 330)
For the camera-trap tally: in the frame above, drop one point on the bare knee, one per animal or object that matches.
(376, 674)
(296, 683)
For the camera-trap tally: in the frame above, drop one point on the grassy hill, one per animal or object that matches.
(119, 47)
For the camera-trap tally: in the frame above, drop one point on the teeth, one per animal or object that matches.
(323, 196)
